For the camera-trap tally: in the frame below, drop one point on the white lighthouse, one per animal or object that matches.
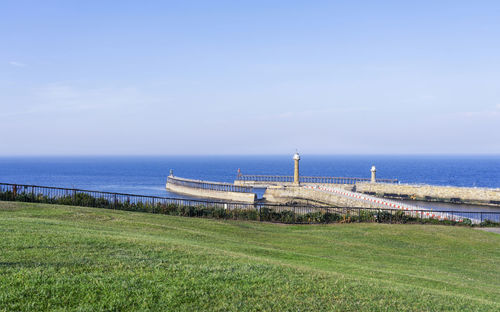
(374, 174)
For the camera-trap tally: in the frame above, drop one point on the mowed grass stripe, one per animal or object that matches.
(121, 260)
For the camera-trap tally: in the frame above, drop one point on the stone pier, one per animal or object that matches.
(450, 194)
(208, 189)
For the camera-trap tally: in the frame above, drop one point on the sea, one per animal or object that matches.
(146, 175)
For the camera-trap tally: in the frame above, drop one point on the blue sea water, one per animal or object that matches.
(147, 175)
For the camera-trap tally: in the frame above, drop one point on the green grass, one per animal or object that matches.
(72, 258)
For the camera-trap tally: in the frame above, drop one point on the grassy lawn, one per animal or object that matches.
(73, 258)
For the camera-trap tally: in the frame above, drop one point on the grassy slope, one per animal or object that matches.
(54, 257)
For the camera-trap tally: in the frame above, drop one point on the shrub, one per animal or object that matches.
(244, 214)
(329, 217)
(467, 221)
(287, 216)
(366, 216)
(220, 213)
(383, 216)
(265, 214)
(399, 217)
(489, 223)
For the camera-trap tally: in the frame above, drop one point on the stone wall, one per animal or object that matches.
(300, 195)
(203, 193)
(432, 193)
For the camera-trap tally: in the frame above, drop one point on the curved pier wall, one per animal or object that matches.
(468, 195)
(301, 195)
(208, 193)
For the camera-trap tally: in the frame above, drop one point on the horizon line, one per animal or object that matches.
(256, 155)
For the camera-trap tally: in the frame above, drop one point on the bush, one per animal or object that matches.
(243, 214)
(366, 216)
(400, 217)
(264, 214)
(489, 223)
(220, 213)
(383, 216)
(287, 216)
(329, 217)
(467, 221)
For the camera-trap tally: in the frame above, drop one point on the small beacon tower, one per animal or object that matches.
(374, 174)
(296, 158)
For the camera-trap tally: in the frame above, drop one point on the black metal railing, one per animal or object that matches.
(208, 185)
(306, 179)
(230, 210)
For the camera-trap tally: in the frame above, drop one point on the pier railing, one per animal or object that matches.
(208, 185)
(306, 179)
(288, 213)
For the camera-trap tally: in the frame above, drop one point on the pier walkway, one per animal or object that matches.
(257, 180)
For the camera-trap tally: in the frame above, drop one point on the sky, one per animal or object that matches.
(249, 77)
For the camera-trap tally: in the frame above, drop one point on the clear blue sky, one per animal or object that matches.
(249, 77)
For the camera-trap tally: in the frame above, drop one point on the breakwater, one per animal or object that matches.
(386, 188)
(208, 189)
(450, 194)
(303, 195)
(329, 196)
(279, 189)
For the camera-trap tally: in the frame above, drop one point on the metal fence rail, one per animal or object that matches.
(306, 179)
(261, 211)
(89, 198)
(208, 185)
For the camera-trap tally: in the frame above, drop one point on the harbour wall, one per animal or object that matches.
(286, 192)
(308, 196)
(206, 189)
(452, 194)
